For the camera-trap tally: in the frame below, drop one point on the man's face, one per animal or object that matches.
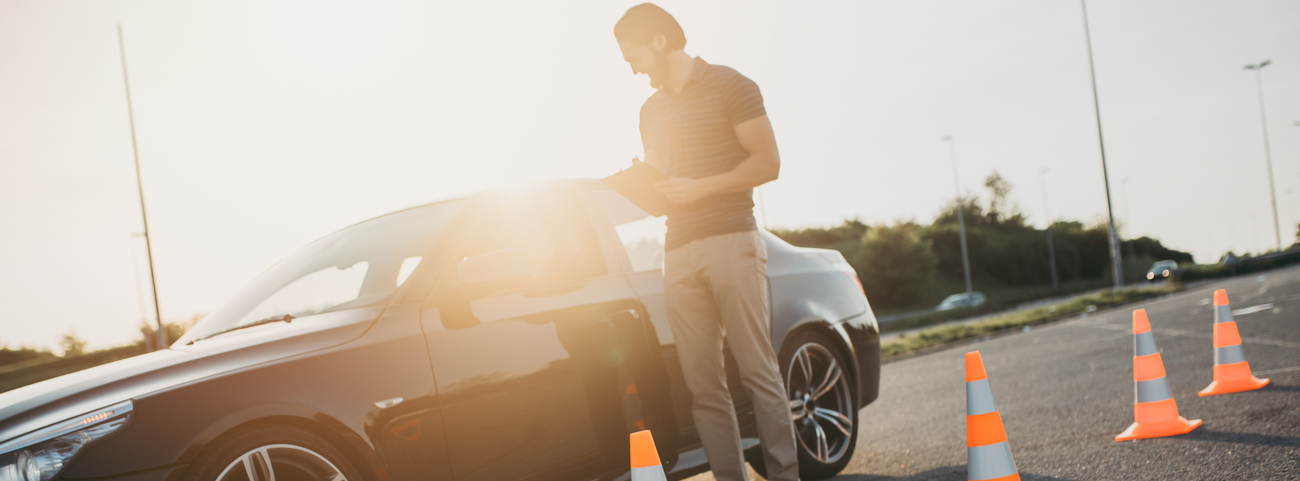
(644, 59)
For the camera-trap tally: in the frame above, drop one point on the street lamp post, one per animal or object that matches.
(1128, 222)
(1254, 227)
(1051, 249)
(160, 335)
(961, 213)
(1105, 175)
(1290, 201)
(1272, 192)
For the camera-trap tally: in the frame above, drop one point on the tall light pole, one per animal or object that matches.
(1254, 227)
(160, 335)
(1051, 249)
(135, 271)
(1272, 192)
(1128, 221)
(1290, 201)
(1105, 175)
(961, 213)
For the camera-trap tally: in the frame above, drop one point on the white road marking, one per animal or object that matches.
(1252, 309)
(1202, 335)
(1210, 336)
(1274, 371)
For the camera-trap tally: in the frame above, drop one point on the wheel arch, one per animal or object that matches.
(831, 331)
(357, 451)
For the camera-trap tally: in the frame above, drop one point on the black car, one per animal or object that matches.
(519, 333)
(1164, 270)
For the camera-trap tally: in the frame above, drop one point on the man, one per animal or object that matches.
(707, 130)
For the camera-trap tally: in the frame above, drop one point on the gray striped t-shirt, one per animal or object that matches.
(694, 133)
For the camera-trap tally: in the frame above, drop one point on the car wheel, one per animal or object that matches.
(266, 453)
(822, 399)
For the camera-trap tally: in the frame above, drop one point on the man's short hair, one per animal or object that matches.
(641, 23)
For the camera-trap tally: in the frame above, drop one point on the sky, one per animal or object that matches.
(263, 125)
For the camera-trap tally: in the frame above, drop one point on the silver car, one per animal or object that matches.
(965, 299)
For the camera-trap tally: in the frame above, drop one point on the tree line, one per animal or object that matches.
(910, 265)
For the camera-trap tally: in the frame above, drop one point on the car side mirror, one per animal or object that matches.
(503, 266)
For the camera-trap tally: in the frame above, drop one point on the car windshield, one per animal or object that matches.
(353, 267)
(1164, 265)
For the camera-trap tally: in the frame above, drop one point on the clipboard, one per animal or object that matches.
(636, 183)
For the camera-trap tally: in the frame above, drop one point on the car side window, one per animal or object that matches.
(641, 234)
(553, 232)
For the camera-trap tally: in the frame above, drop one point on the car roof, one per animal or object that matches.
(523, 185)
(531, 184)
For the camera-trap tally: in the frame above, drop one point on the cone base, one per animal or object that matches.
(1014, 477)
(1240, 385)
(1159, 430)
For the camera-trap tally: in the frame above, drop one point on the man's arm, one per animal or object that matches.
(762, 166)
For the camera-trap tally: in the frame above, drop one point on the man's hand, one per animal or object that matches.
(683, 190)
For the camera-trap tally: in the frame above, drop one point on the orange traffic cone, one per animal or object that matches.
(1155, 414)
(988, 454)
(1231, 371)
(645, 459)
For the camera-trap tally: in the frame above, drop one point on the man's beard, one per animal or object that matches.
(659, 72)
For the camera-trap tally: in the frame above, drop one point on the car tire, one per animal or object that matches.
(833, 411)
(292, 453)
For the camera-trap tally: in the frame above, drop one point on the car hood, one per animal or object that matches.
(32, 407)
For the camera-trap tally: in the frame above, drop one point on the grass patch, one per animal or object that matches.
(21, 374)
(999, 299)
(1039, 315)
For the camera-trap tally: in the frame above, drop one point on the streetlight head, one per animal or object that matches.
(947, 138)
(1264, 63)
(1250, 67)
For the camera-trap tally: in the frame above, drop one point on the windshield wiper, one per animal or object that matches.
(279, 318)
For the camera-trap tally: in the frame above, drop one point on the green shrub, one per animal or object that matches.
(1039, 315)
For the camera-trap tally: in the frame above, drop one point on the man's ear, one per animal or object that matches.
(659, 43)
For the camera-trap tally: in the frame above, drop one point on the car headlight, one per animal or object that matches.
(42, 454)
(1165, 273)
(1151, 275)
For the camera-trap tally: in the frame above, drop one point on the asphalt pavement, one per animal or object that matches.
(1065, 390)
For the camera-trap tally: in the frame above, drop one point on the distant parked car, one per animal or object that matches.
(1161, 270)
(965, 299)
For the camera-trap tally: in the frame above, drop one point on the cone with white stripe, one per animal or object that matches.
(645, 459)
(988, 454)
(1155, 414)
(1231, 371)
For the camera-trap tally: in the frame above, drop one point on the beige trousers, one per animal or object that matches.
(719, 284)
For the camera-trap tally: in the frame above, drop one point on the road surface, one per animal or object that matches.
(1066, 389)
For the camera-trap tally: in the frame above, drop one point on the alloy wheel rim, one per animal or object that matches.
(284, 462)
(820, 403)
